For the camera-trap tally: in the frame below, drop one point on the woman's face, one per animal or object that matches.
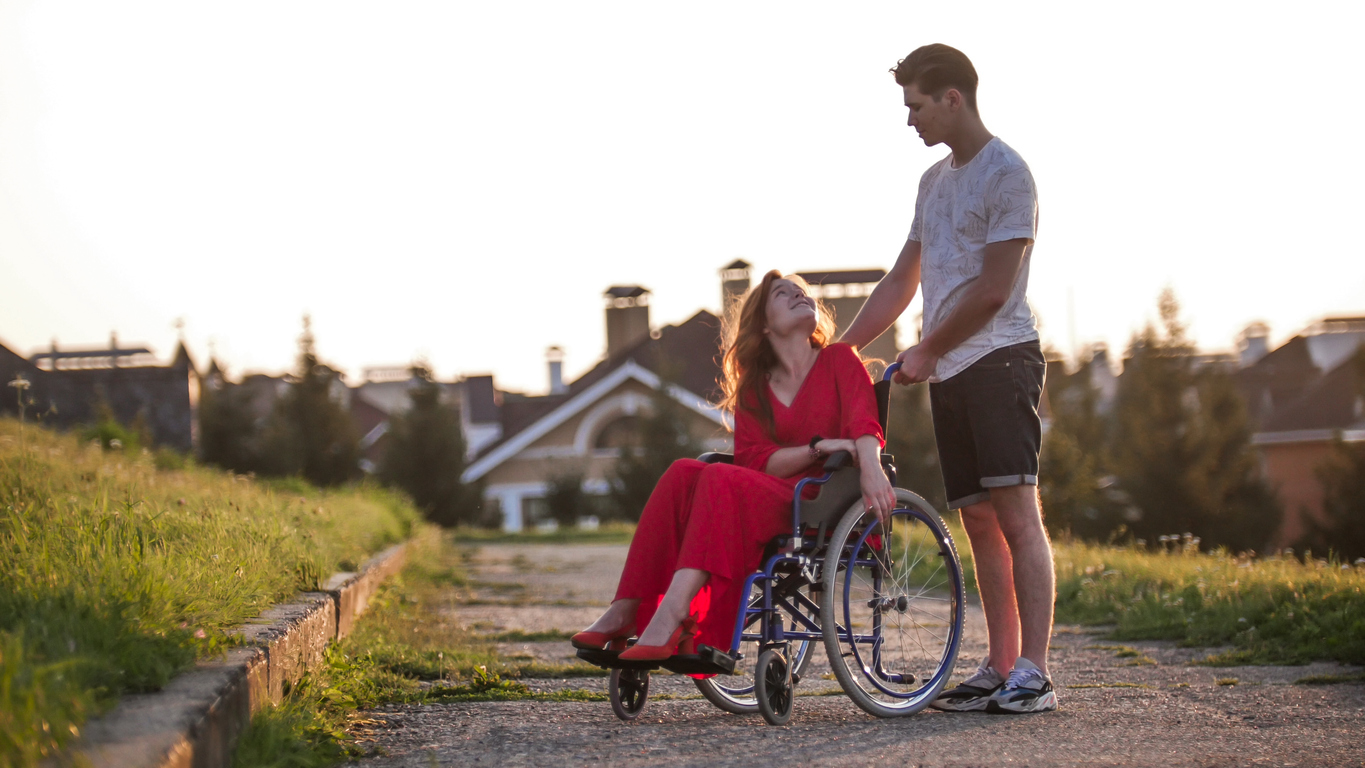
(790, 310)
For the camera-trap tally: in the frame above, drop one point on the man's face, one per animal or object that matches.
(930, 118)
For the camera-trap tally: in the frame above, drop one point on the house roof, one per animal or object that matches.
(625, 291)
(842, 277)
(1335, 401)
(686, 355)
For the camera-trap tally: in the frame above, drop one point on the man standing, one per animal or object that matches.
(976, 216)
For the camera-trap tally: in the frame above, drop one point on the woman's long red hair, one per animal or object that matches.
(749, 357)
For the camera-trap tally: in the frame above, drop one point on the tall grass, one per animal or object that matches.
(1274, 610)
(117, 575)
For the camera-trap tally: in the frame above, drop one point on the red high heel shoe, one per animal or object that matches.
(683, 641)
(596, 641)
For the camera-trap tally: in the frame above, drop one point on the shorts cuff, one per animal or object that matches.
(1005, 481)
(967, 501)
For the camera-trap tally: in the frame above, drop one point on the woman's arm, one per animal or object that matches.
(878, 495)
(786, 462)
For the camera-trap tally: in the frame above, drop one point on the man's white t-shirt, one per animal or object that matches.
(957, 213)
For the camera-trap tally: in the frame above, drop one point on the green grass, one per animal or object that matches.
(1331, 679)
(1271, 610)
(119, 574)
(407, 649)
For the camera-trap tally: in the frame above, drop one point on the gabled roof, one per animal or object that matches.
(843, 277)
(1332, 402)
(576, 404)
(687, 355)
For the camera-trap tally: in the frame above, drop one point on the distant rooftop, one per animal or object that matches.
(625, 291)
(843, 277)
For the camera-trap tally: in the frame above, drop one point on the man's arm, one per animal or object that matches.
(888, 300)
(980, 301)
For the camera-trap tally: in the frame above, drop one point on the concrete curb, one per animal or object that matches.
(194, 722)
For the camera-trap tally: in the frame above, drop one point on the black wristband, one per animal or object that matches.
(815, 440)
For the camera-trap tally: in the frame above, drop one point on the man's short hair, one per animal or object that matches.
(935, 68)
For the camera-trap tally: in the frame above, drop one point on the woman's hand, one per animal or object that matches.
(878, 495)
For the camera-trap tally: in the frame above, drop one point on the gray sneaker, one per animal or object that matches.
(1027, 690)
(971, 694)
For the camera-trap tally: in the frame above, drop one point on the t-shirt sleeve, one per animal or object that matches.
(1011, 205)
(857, 399)
(753, 447)
(917, 224)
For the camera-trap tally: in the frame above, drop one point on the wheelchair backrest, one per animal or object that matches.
(840, 492)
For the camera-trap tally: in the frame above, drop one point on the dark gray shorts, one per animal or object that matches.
(986, 423)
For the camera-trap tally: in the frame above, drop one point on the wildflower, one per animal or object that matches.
(116, 443)
(201, 634)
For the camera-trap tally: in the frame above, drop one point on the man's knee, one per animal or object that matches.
(979, 517)
(1017, 510)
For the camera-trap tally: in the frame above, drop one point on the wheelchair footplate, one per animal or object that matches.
(706, 661)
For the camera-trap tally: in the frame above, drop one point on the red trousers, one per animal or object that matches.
(712, 517)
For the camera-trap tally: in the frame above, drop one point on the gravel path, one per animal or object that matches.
(1116, 708)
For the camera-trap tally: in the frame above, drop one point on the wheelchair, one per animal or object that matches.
(887, 604)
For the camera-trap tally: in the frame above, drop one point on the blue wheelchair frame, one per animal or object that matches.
(797, 563)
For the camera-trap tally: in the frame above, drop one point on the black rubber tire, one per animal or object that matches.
(735, 693)
(922, 634)
(773, 686)
(628, 689)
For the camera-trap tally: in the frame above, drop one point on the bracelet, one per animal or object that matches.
(815, 453)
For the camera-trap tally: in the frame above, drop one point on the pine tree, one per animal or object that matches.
(426, 455)
(227, 426)
(310, 432)
(662, 438)
(1074, 473)
(1181, 446)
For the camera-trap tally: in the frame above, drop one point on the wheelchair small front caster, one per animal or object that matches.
(628, 689)
(773, 687)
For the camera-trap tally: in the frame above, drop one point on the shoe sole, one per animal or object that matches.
(1045, 703)
(974, 705)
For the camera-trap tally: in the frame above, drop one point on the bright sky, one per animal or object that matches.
(462, 180)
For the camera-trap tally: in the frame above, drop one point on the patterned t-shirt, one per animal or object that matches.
(957, 213)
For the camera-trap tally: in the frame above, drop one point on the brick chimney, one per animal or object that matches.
(627, 317)
(555, 357)
(734, 283)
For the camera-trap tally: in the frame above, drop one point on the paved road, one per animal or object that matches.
(1115, 709)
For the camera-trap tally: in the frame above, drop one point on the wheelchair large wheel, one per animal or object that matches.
(892, 609)
(735, 693)
(628, 689)
(773, 686)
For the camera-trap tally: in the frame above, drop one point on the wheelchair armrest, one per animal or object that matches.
(714, 457)
(838, 460)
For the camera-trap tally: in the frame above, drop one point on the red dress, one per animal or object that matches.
(718, 517)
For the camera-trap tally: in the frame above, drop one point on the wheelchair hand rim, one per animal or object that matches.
(950, 648)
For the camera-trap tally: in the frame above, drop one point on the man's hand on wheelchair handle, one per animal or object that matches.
(917, 365)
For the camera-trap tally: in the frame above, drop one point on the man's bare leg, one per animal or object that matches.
(995, 581)
(1020, 519)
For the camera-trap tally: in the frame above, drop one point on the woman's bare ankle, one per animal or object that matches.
(620, 615)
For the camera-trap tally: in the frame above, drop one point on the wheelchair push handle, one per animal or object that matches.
(841, 459)
(883, 390)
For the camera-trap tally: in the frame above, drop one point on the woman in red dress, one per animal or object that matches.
(796, 398)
